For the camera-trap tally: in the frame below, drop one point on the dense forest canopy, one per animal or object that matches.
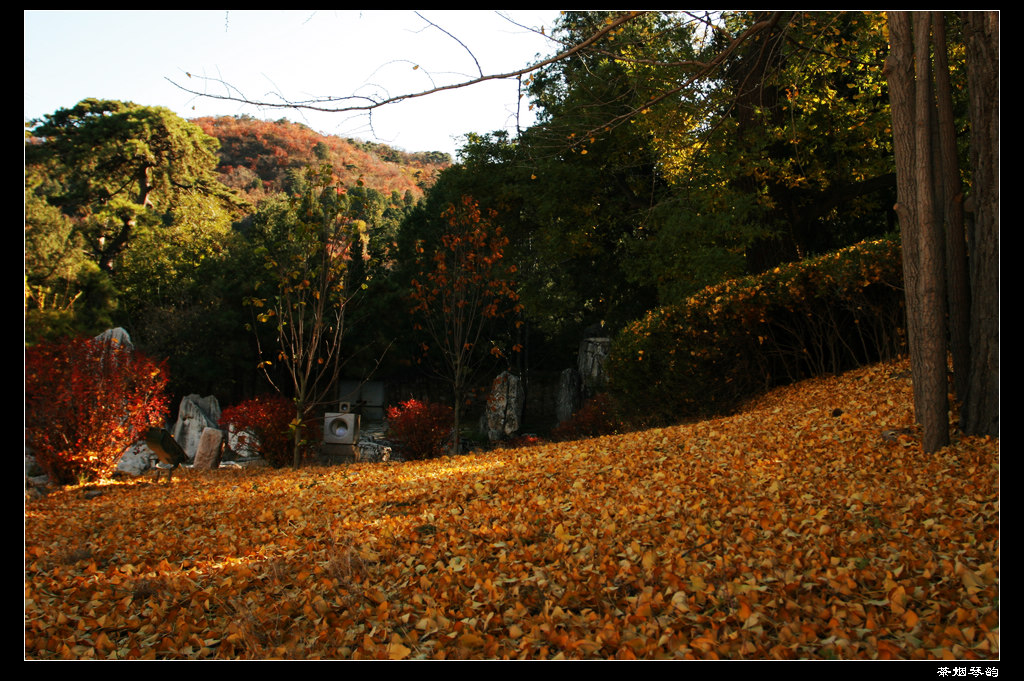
(673, 151)
(138, 218)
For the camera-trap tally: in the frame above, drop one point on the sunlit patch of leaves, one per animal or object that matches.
(793, 529)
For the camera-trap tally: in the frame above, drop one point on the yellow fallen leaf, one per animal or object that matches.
(680, 601)
(397, 651)
(971, 581)
(471, 641)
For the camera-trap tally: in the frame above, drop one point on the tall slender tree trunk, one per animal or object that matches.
(909, 70)
(980, 415)
(934, 415)
(297, 438)
(950, 192)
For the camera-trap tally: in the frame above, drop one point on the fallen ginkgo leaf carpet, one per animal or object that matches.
(810, 525)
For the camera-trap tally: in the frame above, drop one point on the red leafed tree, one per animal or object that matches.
(462, 285)
(85, 402)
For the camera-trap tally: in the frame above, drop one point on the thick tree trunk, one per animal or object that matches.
(980, 414)
(899, 72)
(909, 72)
(932, 382)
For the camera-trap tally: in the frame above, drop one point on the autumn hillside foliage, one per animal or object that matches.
(735, 339)
(259, 158)
(807, 525)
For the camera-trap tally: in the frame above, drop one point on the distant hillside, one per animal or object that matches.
(260, 157)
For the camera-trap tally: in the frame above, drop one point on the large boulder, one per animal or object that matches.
(504, 413)
(373, 451)
(194, 415)
(241, 444)
(136, 460)
(36, 480)
(117, 337)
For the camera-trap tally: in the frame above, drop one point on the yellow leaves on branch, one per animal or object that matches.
(792, 529)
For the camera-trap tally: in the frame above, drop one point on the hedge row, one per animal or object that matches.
(743, 336)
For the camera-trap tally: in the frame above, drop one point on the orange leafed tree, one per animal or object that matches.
(462, 284)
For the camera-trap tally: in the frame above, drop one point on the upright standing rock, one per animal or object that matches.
(593, 353)
(504, 413)
(210, 450)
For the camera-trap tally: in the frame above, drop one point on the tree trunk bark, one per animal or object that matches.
(934, 415)
(951, 192)
(297, 439)
(899, 72)
(456, 424)
(980, 415)
(909, 72)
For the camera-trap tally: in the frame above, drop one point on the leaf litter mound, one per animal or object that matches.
(808, 526)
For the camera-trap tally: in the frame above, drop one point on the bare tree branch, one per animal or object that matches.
(356, 103)
(367, 104)
(469, 51)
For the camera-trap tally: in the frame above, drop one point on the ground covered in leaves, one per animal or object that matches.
(789, 530)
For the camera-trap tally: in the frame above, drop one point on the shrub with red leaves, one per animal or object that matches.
(523, 441)
(420, 429)
(86, 401)
(269, 418)
(596, 417)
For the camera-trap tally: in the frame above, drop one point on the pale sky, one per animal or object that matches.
(291, 54)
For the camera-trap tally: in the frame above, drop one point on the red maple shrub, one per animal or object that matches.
(420, 429)
(269, 419)
(86, 401)
(525, 440)
(596, 417)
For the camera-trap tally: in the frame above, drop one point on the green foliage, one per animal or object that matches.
(737, 338)
(306, 246)
(421, 429)
(648, 179)
(126, 225)
(784, 154)
(180, 295)
(86, 401)
(119, 170)
(66, 294)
